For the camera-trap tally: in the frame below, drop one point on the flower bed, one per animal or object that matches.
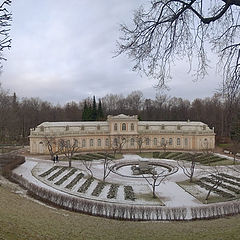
(55, 175)
(229, 176)
(217, 191)
(228, 187)
(48, 171)
(112, 193)
(65, 177)
(75, 181)
(86, 185)
(129, 193)
(98, 189)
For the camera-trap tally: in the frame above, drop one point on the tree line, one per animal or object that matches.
(17, 115)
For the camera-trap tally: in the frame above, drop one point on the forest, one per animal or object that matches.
(18, 115)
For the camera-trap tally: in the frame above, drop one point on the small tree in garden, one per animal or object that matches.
(51, 143)
(156, 180)
(106, 162)
(88, 166)
(140, 140)
(164, 145)
(189, 170)
(68, 149)
(117, 143)
(216, 182)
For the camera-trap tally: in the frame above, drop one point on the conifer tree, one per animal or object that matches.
(100, 111)
(84, 112)
(94, 110)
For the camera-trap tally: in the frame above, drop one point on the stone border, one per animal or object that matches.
(116, 166)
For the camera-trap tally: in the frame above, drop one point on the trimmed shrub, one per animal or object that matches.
(49, 171)
(86, 185)
(112, 193)
(65, 177)
(98, 189)
(75, 181)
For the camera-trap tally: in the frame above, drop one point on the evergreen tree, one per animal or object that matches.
(94, 109)
(84, 112)
(100, 115)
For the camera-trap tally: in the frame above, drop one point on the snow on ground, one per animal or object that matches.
(168, 192)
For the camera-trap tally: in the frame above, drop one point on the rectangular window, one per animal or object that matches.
(186, 141)
(178, 141)
(91, 142)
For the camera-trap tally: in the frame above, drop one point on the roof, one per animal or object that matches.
(73, 124)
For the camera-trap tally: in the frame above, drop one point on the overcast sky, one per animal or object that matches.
(63, 51)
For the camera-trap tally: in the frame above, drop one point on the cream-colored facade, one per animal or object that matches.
(128, 130)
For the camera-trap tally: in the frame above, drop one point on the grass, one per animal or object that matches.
(149, 197)
(22, 218)
(146, 154)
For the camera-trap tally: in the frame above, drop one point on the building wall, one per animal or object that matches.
(93, 136)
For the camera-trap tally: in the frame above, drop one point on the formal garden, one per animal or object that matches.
(140, 186)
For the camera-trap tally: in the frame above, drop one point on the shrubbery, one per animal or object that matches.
(75, 181)
(129, 193)
(65, 177)
(86, 185)
(112, 193)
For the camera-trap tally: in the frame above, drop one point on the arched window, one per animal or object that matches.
(162, 141)
(115, 127)
(124, 127)
(132, 127)
(186, 141)
(132, 142)
(170, 141)
(155, 141)
(99, 142)
(115, 142)
(84, 143)
(75, 142)
(106, 142)
(178, 141)
(147, 141)
(91, 142)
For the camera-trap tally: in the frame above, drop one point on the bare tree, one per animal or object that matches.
(216, 180)
(164, 145)
(140, 140)
(5, 19)
(68, 149)
(189, 167)
(166, 30)
(51, 144)
(156, 180)
(106, 163)
(88, 166)
(117, 143)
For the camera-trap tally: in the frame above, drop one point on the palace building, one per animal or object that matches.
(126, 131)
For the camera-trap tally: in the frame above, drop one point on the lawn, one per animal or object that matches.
(25, 219)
